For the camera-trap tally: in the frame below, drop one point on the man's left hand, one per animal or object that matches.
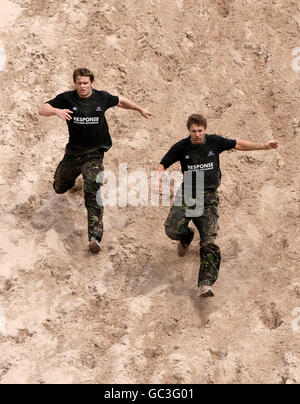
(272, 144)
(146, 114)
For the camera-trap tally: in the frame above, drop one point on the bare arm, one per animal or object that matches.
(48, 110)
(127, 104)
(243, 145)
(160, 170)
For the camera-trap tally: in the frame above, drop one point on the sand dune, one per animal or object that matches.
(130, 315)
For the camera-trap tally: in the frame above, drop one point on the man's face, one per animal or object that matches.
(197, 133)
(83, 86)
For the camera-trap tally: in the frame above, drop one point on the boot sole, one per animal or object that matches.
(208, 293)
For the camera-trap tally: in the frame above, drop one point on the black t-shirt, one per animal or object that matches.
(88, 129)
(203, 157)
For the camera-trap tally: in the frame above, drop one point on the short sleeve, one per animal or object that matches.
(171, 157)
(224, 144)
(111, 100)
(58, 102)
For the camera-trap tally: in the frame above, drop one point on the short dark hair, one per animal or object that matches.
(196, 119)
(84, 73)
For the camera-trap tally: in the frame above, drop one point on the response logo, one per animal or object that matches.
(86, 121)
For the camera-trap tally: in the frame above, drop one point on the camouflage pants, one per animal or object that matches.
(89, 165)
(177, 228)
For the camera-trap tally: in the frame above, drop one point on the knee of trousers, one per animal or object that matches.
(212, 248)
(60, 190)
(93, 200)
(171, 233)
(208, 242)
(91, 189)
(92, 195)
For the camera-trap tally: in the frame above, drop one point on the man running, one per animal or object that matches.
(200, 152)
(89, 138)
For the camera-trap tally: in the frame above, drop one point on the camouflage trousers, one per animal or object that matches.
(177, 228)
(89, 165)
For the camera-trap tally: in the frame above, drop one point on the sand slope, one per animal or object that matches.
(131, 314)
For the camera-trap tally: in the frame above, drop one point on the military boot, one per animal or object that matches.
(182, 247)
(94, 246)
(206, 291)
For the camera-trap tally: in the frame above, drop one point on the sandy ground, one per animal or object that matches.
(130, 315)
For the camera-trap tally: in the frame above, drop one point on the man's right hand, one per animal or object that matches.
(158, 179)
(160, 186)
(64, 114)
(157, 184)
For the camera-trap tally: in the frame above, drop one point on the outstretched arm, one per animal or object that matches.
(243, 145)
(48, 110)
(127, 104)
